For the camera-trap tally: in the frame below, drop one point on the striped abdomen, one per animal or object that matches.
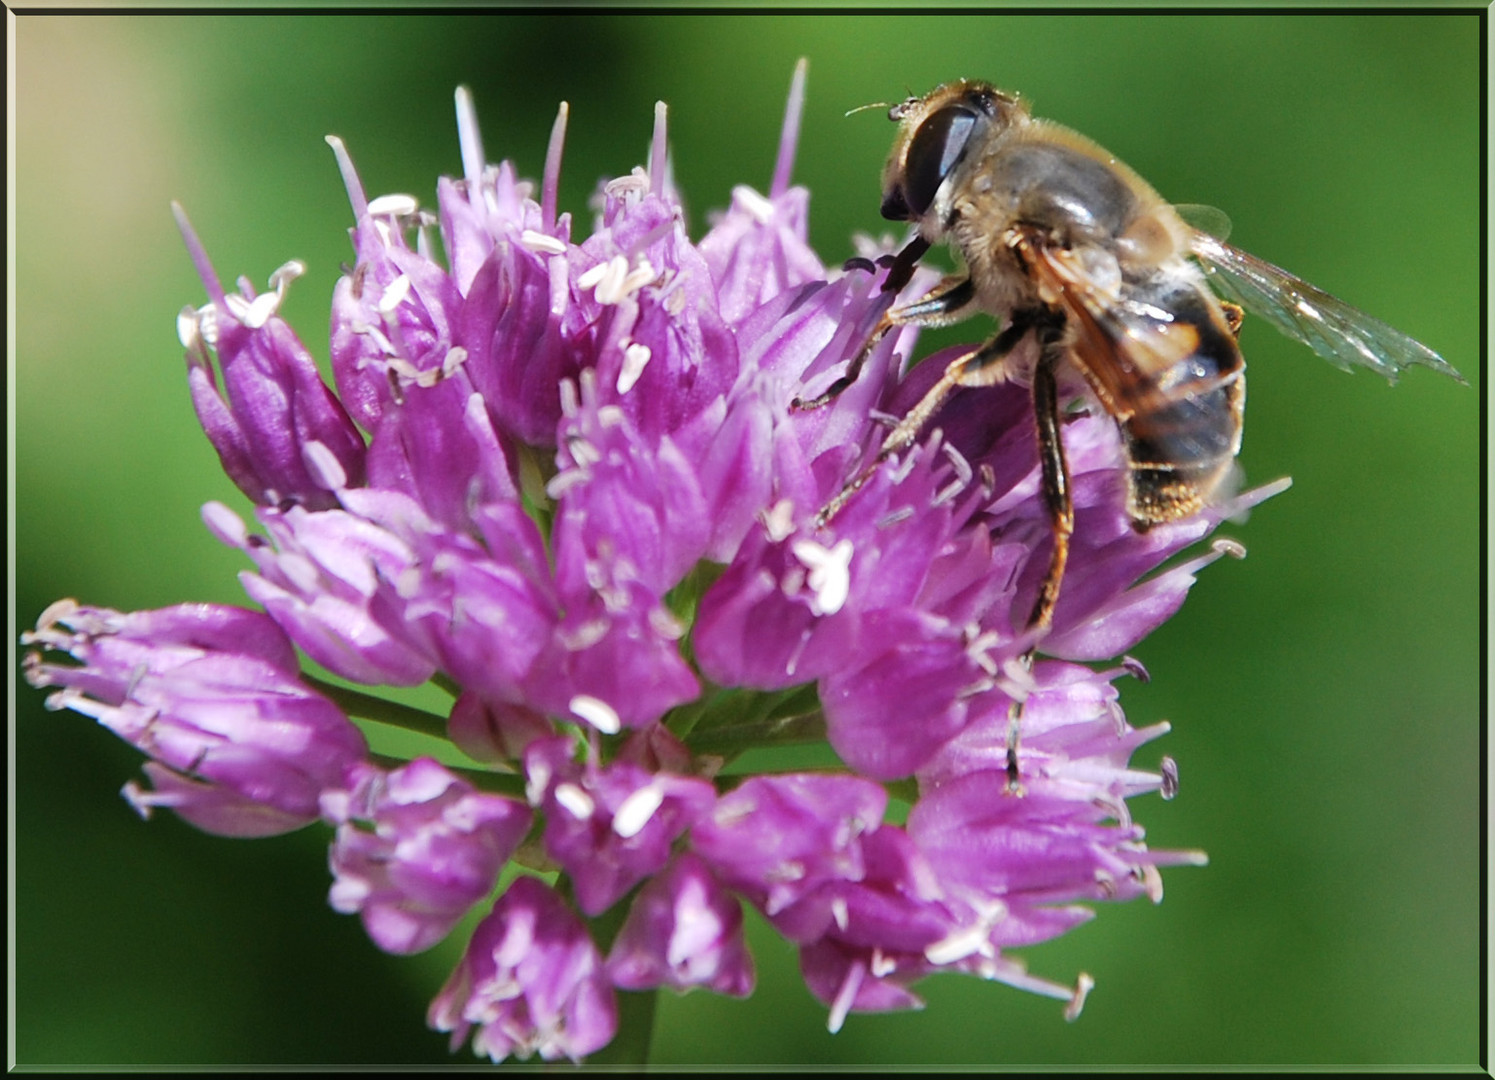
(1168, 369)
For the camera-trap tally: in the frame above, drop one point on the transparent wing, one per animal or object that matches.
(1207, 219)
(1341, 334)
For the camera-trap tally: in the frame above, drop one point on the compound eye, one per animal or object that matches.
(933, 153)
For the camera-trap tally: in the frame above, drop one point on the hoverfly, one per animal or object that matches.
(1078, 253)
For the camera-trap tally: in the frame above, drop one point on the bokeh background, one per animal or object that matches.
(1324, 692)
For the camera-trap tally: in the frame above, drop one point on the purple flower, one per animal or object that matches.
(587, 510)
(416, 848)
(531, 981)
(276, 403)
(212, 695)
(609, 828)
(684, 930)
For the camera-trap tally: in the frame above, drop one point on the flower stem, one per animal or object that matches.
(726, 722)
(380, 710)
(635, 1031)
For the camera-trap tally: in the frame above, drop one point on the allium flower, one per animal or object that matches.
(563, 480)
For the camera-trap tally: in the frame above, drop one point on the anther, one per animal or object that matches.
(575, 801)
(1083, 985)
(637, 810)
(756, 206)
(1169, 770)
(596, 712)
(394, 205)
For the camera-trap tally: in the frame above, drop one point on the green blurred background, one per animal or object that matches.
(1324, 691)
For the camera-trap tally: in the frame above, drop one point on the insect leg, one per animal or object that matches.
(901, 268)
(1055, 475)
(936, 308)
(973, 368)
(1059, 502)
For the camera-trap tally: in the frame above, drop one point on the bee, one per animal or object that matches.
(1073, 251)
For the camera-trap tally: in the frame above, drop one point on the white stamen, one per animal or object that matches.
(845, 996)
(560, 287)
(665, 625)
(957, 460)
(1169, 773)
(948, 492)
(324, 466)
(1226, 546)
(754, 204)
(575, 801)
(57, 611)
(186, 327)
(395, 205)
(840, 912)
(356, 197)
(541, 244)
(563, 482)
(957, 946)
(468, 137)
(789, 137)
(538, 781)
(779, 521)
(638, 277)
(260, 310)
(637, 810)
(286, 273)
(1152, 883)
(1083, 985)
(979, 646)
(635, 183)
(394, 294)
(830, 573)
(658, 151)
(635, 358)
(551, 183)
(616, 267)
(596, 712)
(583, 452)
(253, 314)
(614, 281)
(226, 525)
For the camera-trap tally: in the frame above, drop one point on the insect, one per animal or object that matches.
(1078, 255)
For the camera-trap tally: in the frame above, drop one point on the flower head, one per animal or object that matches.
(415, 849)
(565, 481)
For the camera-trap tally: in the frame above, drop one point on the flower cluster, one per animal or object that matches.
(564, 480)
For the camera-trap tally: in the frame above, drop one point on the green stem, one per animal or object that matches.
(495, 783)
(380, 710)
(729, 740)
(635, 1031)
